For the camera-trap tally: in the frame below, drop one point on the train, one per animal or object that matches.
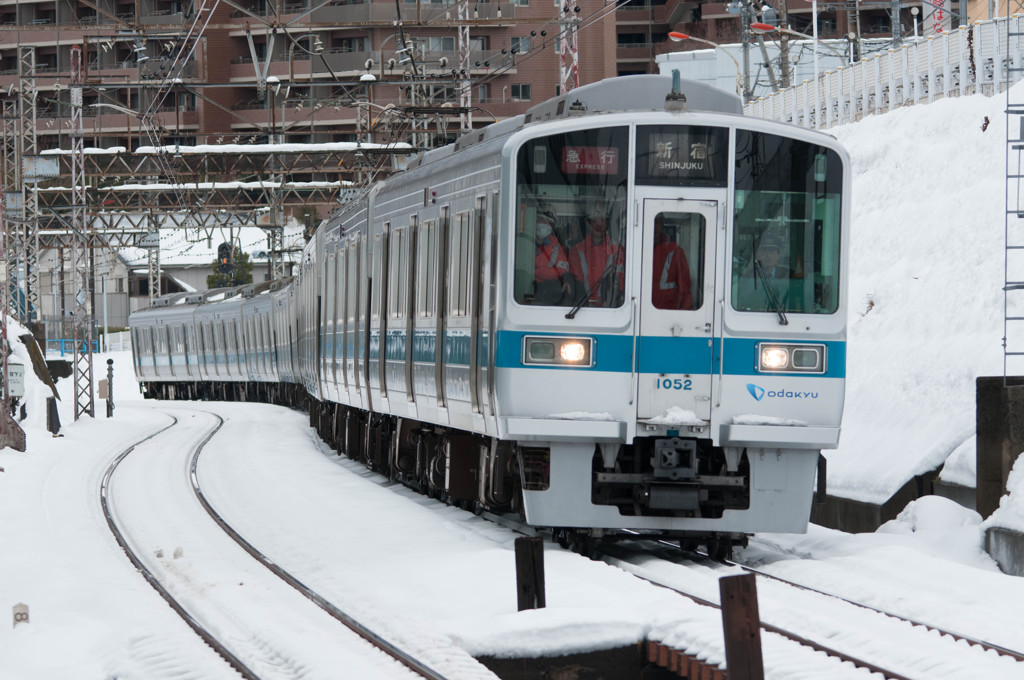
(620, 314)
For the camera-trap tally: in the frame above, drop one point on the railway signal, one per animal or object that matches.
(224, 258)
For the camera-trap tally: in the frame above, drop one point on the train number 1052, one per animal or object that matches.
(673, 384)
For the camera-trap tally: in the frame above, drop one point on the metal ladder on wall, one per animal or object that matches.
(1013, 263)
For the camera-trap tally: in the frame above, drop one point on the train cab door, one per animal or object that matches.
(676, 344)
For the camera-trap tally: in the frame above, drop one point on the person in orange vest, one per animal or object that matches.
(552, 280)
(671, 272)
(598, 264)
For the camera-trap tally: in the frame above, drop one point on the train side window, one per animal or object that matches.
(398, 268)
(426, 269)
(379, 302)
(458, 265)
(352, 286)
(328, 303)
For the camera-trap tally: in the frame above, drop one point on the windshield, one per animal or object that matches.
(571, 219)
(787, 225)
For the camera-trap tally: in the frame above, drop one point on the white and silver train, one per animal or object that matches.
(624, 311)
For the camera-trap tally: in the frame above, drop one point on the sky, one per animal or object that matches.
(925, 321)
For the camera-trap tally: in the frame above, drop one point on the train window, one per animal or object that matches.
(426, 269)
(570, 221)
(678, 260)
(328, 305)
(352, 287)
(458, 265)
(398, 266)
(786, 235)
(377, 275)
(682, 155)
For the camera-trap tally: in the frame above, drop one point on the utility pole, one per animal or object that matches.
(784, 65)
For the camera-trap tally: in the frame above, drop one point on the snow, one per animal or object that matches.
(925, 272)
(926, 288)
(240, 148)
(676, 416)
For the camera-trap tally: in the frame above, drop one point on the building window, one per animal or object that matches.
(521, 3)
(521, 92)
(350, 45)
(440, 44)
(483, 93)
(521, 44)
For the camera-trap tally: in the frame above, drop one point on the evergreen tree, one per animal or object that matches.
(240, 274)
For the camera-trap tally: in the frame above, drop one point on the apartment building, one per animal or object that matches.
(288, 70)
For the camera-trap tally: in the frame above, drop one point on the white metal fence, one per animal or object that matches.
(117, 342)
(971, 59)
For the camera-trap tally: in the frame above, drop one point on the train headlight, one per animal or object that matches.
(774, 358)
(780, 358)
(558, 351)
(573, 352)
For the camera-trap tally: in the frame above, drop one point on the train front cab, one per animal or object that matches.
(685, 420)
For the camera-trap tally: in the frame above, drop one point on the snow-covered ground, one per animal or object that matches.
(926, 291)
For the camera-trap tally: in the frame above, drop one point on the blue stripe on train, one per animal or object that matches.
(612, 353)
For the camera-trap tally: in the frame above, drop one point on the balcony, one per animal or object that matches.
(383, 13)
(304, 66)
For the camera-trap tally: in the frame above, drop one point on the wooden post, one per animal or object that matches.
(530, 572)
(741, 624)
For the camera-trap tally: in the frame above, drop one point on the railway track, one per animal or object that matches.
(812, 622)
(835, 641)
(259, 629)
(879, 641)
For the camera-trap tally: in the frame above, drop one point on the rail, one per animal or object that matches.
(972, 59)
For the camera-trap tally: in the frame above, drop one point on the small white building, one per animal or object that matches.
(121, 283)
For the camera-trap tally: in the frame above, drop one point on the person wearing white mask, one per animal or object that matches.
(552, 281)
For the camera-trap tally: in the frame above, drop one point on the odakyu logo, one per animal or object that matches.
(759, 393)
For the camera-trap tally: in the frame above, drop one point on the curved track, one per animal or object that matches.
(282, 639)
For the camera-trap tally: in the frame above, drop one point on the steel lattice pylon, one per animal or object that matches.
(569, 56)
(81, 275)
(29, 149)
(153, 265)
(10, 181)
(11, 433)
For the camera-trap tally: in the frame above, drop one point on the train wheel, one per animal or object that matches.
(584, 544)
(720, 548)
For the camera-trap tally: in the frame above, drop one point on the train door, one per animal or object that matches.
(676, 345)
(354, 314)
(185, 346)
(379, 281)
(477, 255)
(341, 327)
(330, 375)
(440, 265)
(410, 306)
